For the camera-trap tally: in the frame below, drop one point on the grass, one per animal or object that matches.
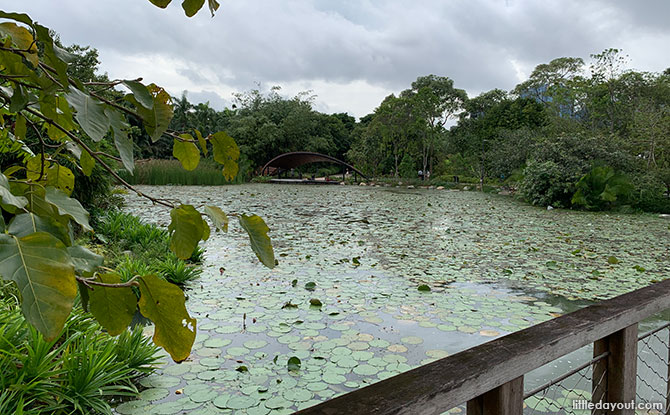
(133, 247)
(164, 172)
(80, 372)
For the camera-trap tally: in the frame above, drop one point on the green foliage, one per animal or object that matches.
(113, 307)
(176, 270)
(54, 125)
(78, 372)
(162, 172)
(260, 243)
(191, 7)
(162, 303)
(40, 266)
(558, 163)
(601, 189)
(548, 183)
(186, 229)
(149, 248)
(406, 167)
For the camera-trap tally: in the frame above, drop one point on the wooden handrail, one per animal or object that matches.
(454, 380)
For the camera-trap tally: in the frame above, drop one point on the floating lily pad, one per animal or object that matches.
(153, 394)
(255, 344)
(237, 351)
(298, 395)
(411, 340)
(132, 408)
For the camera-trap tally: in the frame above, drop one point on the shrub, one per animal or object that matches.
(602, 188)
(176, 271)
(78, 372)
(547, 183)
(406, 167)
(558, 163)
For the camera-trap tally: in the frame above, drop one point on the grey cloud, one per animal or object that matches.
(384, 43)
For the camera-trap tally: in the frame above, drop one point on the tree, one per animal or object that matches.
(41, 103)
(435, 102)
(393, 120)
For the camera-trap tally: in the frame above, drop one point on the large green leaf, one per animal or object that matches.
(230, 169)
(164, 304)
(202, 142)
(186, 228)
(7, 197)
(23, 39)
(113, 307)
(186, 152)
(121, 140)
(157, 119)
(226, 152)
(191, 7)
(60, 177)
(224, 147)
(29, 223)
(19, 99)
(20, 127)
(142, 94)
(68, 207)
(260, 241)
(218, 217)
(40, 266)
(85, 262)
(87, 163)
(90, 113)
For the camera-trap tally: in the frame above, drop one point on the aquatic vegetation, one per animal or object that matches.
(348, 305)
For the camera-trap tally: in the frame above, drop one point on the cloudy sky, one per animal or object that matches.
(350, 53)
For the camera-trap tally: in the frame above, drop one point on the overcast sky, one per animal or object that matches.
(350, 53)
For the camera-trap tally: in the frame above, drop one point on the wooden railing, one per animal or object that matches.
(489, 377)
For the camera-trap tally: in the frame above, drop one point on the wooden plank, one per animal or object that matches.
(622, 368)
(506, 399)
(453, 380)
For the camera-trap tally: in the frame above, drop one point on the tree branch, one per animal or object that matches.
(90, 281)
(43, 158)
(99, 160)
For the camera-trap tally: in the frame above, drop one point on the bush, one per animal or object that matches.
(177, 271)
(602, 189)
(649, 194)
(546, 183)
(558, 163)
(149, 249)
(78, 372)
(406, 167)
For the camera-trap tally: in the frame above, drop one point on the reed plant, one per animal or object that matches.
(170, 172)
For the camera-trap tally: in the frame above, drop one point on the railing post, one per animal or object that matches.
(506, 399)
(617, 373)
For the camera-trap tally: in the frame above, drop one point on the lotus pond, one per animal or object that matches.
(373, 281)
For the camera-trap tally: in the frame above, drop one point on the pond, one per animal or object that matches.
(344, 304)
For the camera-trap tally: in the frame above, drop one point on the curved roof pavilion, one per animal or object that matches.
(288, 161)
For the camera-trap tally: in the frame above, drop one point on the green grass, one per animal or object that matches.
(79, 372)
(163, 172)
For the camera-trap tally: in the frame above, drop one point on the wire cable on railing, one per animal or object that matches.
(566, 375)
(654, 331)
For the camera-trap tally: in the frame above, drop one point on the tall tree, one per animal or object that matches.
(435, 101)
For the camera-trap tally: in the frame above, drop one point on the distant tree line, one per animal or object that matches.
(574, 134)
